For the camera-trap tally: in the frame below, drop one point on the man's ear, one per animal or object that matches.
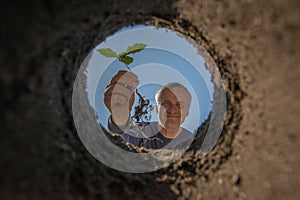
(156, 107)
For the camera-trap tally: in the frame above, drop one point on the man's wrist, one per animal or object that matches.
(121, 125)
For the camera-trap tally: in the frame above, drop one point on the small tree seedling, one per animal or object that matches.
(143, 109)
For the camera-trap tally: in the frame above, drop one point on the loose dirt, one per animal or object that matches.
(255, 45)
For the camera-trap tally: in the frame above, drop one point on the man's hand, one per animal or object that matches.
(119, 96)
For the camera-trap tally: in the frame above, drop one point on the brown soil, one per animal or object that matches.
(255, 45)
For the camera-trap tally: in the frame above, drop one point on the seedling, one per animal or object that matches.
(143, 109)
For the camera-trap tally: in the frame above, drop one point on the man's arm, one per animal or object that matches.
(115, 128)
(129, 132)
(119, 99)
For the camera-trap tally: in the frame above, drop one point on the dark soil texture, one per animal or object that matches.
(256, 47)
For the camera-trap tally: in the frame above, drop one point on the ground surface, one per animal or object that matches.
(256, 47)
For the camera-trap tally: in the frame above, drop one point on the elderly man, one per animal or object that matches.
(172, 105)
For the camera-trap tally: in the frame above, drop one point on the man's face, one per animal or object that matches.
(172, 108)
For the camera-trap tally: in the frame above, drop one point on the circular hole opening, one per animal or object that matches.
(158, 57)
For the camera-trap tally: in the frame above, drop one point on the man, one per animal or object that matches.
(172, 105)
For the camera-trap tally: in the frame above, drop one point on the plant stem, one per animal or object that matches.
(139, 95)
(128, 67)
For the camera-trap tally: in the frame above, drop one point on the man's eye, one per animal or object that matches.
(165, 104)
(180, 105)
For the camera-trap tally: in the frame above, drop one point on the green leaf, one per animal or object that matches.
(127, 60)
(121, 55)
(107, 52)
(135, 48)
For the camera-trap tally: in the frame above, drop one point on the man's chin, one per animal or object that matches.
(172, 126)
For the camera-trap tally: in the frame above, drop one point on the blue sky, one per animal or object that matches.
(167, 58)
